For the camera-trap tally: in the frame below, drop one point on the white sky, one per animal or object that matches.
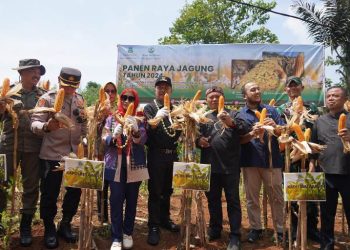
(83, 34)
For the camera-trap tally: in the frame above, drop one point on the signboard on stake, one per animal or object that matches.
(191, 175)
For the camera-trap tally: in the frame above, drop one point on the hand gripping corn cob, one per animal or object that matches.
(342, 125)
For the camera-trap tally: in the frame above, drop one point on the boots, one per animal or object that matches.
(25, 230)
(50, 236)
(65, 230)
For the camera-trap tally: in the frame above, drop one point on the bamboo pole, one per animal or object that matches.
(82, 220)
(288, 208)
(303, 215)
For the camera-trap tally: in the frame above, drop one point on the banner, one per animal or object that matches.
(190, 175)
(3, 168)
(304, 187)
(230, 66)
(82, 173)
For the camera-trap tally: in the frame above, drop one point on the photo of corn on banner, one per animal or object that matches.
(193, 67)
(81, 173)
(3, 169)
(304, 187)
(191, 175)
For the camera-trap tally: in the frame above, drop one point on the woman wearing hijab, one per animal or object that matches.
(125, 168)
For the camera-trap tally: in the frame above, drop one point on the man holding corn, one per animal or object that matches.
(30, 71)
(161, 154)
(59, 141)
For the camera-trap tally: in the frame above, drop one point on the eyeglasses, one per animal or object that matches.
(110, 91)
(127, 97)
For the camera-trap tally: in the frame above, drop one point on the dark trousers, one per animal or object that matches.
(230, 184)
(334, 184)
(160, 190)
(50, 188)
(102, 202)
(312, 216)
(120, 192)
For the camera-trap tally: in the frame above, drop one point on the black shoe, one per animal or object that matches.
(314, 236)
(25, 230)
(171, 226)
(50, 236)
(213, 235)
(66, 233)
(254, 235)
(235, 244)
(153, 236)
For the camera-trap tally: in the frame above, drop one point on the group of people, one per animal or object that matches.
(230, 144)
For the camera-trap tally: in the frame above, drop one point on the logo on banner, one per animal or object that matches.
(130, 50)
(151, 50)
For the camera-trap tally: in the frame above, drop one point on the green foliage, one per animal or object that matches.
(90, 93)
(221, 21)
(330, 26)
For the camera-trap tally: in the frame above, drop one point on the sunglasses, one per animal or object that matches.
(127, 97)
(110, 91)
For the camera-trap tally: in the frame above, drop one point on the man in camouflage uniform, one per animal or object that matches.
(59, 141)
(29, 144)
(294, 88)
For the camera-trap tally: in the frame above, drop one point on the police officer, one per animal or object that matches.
(59, 141)
(30, 71)
(162, 143)
(294, 87)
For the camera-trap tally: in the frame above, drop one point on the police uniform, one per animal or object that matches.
(57, 144)
(28, 147)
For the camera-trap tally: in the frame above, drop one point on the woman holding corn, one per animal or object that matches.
(125, 169)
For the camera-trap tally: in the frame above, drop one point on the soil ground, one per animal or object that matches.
(170, 240)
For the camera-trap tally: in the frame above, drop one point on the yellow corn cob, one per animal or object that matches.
(5, 87)
(299, 65)
(299, 105)
(257, 114)
(297, 130)
(262, 116)
(167, 101)
(272, 102)
(196, 97)
(59, 100)
(80, 151)
(130, 110)
(307, 134)
(221, 105)
(101, 96)
(341, 122)
(46, 85)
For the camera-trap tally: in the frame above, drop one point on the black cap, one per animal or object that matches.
(214, 89)
(165, 79)
(30, 63)
(69, 77)
(295, 79)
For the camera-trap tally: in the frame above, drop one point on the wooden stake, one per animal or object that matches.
(303, 215)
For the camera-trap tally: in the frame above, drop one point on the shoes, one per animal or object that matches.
(213, 235)
(314, 236)
(127, 241)
(235, 244)
(153, 236)
(116, 245)
(171, 226)
(25, 230)
(50, 237)
(66, 233)
(254, 235)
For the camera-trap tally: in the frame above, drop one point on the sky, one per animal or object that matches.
(84, 34)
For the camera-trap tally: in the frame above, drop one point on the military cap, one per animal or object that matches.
(30, 63)
(69, 77)
(295, 79)
(165, 79)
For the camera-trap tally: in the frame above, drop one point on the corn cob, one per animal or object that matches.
(341, 122)
(5, 87)
(262, 116)
(101, 96)
(59, 100)
(129, 110)
(167, 101)
(46, 85)
(80, 151)
(257, 114)
(196, 97)
(299, 105)
(299, 65)
(221, 104)
(272, 102)
(297, 130)
(307, 134)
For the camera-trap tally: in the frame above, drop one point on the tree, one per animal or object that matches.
(221, 21)
(90, 93)
(330, 26)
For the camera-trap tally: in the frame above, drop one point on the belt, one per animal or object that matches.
(167, 151)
